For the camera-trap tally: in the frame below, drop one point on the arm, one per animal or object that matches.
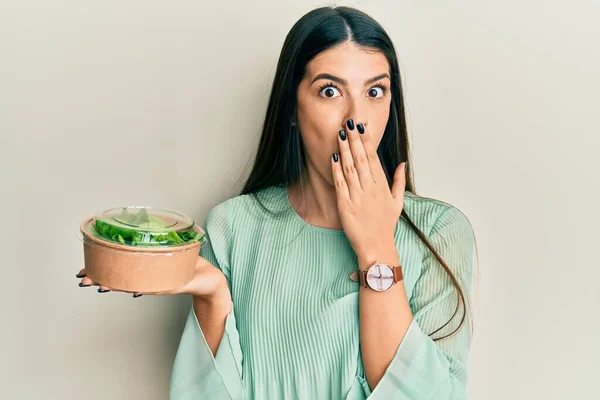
(211, 315)
(208, 363)
(405, 361)
(381, 327)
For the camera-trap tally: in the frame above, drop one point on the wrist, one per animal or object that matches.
(387, 254)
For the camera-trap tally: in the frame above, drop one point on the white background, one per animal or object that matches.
(107, 103)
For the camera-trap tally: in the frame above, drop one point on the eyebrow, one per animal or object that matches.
(345, 82)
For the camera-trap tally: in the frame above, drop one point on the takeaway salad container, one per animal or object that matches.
(141, 249)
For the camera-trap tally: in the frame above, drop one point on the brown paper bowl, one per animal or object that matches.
(138, 269)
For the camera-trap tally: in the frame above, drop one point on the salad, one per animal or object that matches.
(142, 229)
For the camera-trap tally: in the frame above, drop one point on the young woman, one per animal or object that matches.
(327, 277)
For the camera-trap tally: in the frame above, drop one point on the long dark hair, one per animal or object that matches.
(280, 160)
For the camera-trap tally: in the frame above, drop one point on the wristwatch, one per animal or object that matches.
(379, 277)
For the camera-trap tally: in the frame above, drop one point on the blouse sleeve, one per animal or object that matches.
(196, 373)
(423, 369)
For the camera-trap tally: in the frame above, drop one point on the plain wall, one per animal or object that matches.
(109, 103)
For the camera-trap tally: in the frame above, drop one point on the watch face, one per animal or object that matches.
(380, 277)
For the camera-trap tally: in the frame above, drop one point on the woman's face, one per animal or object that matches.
(342, 83)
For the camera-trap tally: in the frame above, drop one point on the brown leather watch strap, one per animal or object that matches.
(398, 276)
(354, 275)
(361, 276)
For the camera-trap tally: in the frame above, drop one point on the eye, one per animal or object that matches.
(329, 90)
(377, 92)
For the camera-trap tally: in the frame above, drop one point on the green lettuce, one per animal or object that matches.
(142, 220)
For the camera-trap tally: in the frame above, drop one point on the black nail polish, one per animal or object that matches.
(335, 157)
(136, 295)
(350, 124)
(102, 290)
(343, 134)
(361, 128)
(82, 285)
(80, 276)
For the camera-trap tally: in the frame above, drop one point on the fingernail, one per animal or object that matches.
(361, 128)
(350, 124)
(335, 157)
(82, 285)
(343, 134)
(136, 295)
(80, 276)
(102, 290)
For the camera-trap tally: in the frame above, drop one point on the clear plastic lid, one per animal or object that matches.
(144, 226)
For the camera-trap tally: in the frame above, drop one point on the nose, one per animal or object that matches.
(355, 115)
